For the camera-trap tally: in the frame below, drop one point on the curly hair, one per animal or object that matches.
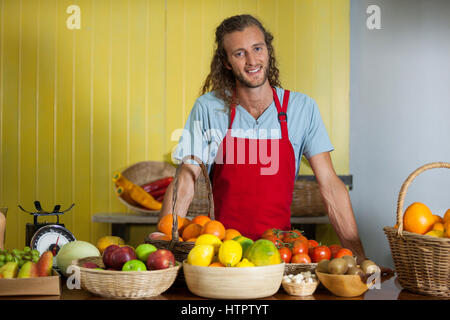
(222, 80)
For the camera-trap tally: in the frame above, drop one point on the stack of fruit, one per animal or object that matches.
(126, 258)
(418, 218)
(25, 263)
(211, 251)
(190, 230)
(294, 247)
(346, 265)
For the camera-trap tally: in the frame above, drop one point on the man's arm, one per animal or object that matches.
(337, 202)
(186, 180)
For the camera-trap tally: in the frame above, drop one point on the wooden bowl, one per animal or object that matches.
(343, 285)
(233, 283)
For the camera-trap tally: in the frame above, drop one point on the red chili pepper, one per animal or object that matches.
(160, 198)
(157, 184)
(160, 192)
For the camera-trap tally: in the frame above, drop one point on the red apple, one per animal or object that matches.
(122, 255)
(160, 259)
(107, 254)
(90, 265)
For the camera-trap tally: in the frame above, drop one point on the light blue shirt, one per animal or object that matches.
(208, 123)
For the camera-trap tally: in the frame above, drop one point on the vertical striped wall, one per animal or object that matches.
(78, 104)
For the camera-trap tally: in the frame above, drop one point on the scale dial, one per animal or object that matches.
(51, 237)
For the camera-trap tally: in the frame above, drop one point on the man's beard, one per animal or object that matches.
(248, 84)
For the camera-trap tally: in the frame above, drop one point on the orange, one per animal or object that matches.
(438, 218)
(191, 240)
(231, 233)
(166, 222)
(201, 220)
(447, 216)
(216, 264)
(168, 238)
(215, 228)
(418, 218)
(186, 222)
(447, 229)
(438, 227)
(193, 230)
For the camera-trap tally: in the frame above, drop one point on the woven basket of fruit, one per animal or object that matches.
(301, 284)
(420, 243)
(120, 284)
(141, 186)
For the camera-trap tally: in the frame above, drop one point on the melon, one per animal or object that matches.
(75, 250)
(263, 253)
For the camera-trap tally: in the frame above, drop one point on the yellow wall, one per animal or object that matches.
(78, 104)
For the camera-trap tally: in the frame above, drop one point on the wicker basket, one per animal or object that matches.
(296, 268)
(144, 172)
(307, 200)
(181, 249)
(422, 262)
(300, 289)
(125, 284)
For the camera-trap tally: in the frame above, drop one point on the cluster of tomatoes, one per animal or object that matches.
(294, 247)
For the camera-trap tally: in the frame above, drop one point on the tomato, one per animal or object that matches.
(299, 247)
(300, 239)
(271, 232)
(301, 258)
(291, 235)
(320, 253)
(312, 245)
(334, 249)
(275, 240)
(344, 252)
(286, 254)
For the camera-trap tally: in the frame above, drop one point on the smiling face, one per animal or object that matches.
(248, 57)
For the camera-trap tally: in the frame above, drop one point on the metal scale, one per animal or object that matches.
(48, 235)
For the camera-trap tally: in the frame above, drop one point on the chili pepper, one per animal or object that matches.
(155, 194)
(157, 184)
(135, 192)
(160, 198)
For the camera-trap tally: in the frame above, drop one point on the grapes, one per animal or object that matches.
(19, 256)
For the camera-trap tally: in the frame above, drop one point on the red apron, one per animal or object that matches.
(253, 183)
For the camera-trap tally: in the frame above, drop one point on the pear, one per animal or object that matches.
(9, 270)
(28, 270)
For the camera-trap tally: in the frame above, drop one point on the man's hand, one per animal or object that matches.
(187, 176)
(337, 201)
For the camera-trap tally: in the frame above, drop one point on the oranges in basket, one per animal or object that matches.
(418, 218)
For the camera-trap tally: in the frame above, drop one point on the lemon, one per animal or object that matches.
(201, 255)
(209, 239)
(245, 263)
(435, 233)
(230, 253)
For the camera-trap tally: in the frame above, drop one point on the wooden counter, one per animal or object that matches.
(390, 290)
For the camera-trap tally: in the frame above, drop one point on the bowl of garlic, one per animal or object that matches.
(301, 284)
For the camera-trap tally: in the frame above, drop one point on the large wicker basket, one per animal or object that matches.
(125, 284)
(422, 262)
(181, 249)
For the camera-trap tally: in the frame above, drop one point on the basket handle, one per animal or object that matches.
(405, 186)
(175, 234)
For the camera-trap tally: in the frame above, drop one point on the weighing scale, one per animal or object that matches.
(47, 236)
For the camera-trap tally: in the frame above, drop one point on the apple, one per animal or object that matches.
(156, 235)
(134, 265)
(107, 254)
(90, 265)
(121, 255)
(160, 259)
(144, 250)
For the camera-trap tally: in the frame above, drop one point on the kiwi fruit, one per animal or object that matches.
(322, 266)
(351, 262)
(368, 266)
(353, 270)
(337, 266)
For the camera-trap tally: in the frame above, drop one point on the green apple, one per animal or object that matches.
(144, 250)
(134, 265)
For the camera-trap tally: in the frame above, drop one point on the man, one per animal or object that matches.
(256, 133)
